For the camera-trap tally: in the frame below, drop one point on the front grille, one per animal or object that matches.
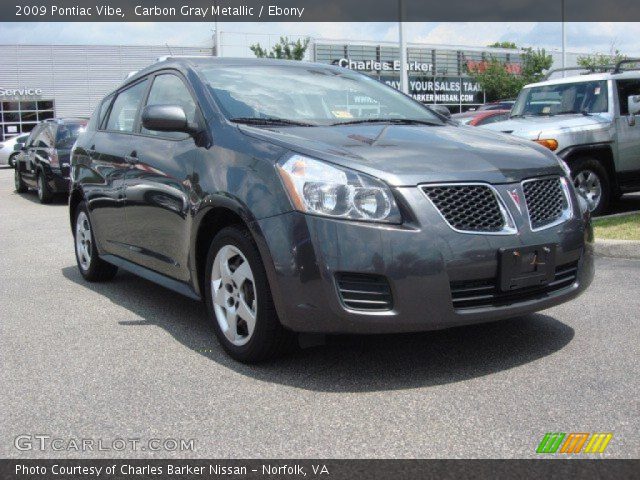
(485, 293)
(364, 292)
(468, 208)
(546, 201)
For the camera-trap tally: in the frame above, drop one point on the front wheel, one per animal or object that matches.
(20, 186)
(12, 160)
(91, 266)
(592, 182)
(239, 299)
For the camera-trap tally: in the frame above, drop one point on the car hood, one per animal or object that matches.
(406, 155)
(533, 127)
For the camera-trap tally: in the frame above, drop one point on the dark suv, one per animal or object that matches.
(297, 197)
(43, 163)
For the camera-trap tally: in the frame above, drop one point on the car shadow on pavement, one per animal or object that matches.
(347, 363)
(32, 196)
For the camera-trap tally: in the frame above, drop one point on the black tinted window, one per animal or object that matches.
(123, 113)
(45, 137)
(170, 90)
(626, 88)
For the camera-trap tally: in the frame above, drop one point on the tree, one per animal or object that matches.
(500, 79)
(503, 45)
(534, 63)
(599, 60)
(284, 49)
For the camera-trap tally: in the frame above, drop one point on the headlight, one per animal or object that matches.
(322, 189)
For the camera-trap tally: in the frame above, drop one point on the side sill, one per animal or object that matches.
(155, 277)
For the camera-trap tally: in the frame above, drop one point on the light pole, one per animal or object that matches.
(564, 41)
(404, 77)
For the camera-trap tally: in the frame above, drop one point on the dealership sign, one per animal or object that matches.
(20, 92)
(376, 66)
(443, 90)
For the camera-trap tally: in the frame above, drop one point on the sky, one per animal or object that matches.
(581, 37)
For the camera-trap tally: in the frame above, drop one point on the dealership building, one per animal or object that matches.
(38, 82)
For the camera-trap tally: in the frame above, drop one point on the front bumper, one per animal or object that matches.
(420, 260)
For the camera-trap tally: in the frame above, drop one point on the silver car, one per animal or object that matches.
(10, 148)
(591, 122)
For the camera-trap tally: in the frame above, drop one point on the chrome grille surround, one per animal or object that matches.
(548, 201)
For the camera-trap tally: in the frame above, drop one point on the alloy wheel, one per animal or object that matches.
(233, 294)
(588, 184)
(40, 187)
(83, 241)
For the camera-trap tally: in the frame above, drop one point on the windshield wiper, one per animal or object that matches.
(270, 121)
(568, 112)
(399, 121)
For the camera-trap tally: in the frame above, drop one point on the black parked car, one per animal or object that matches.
(266, 189)
(44, 162)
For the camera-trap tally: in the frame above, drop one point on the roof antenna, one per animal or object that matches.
(169, 48)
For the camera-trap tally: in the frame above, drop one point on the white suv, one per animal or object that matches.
(591, 122)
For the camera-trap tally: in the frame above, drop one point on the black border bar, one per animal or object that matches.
(337, 469)
(321, 11)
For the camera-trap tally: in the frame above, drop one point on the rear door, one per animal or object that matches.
(157, 185)
(109, 150)
(628, 131)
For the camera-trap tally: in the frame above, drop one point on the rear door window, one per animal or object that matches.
(125, 108)
(67, 134)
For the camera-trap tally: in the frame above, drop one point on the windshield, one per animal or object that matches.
(562, 98)
(308, 96)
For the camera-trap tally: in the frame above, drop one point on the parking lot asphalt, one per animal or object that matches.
(130, 360)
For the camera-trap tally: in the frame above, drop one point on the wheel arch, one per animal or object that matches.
(601, 152)
(76, 196)
(216, 213)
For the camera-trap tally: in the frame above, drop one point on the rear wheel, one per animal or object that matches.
(239, 299)
(21, 187)
(45, 195)
(592, 181)
(91, 266)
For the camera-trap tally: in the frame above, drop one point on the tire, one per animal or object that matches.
(12, 160)
(91, 266)
(20, 186)
(590, 177)
(45, 195)
(251, 295)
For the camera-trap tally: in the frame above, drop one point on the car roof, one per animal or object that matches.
(590, 77)
(67, 120)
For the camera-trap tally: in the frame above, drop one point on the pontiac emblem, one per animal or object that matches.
(515, 197)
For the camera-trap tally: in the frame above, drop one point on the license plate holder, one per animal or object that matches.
(523, 267)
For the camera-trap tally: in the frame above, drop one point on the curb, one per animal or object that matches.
(618, 249)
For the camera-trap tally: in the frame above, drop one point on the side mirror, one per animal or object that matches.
(634, 104)
(441, 109)
(166, 118)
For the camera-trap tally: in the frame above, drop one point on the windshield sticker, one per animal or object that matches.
(596, 91)
(341, 114)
